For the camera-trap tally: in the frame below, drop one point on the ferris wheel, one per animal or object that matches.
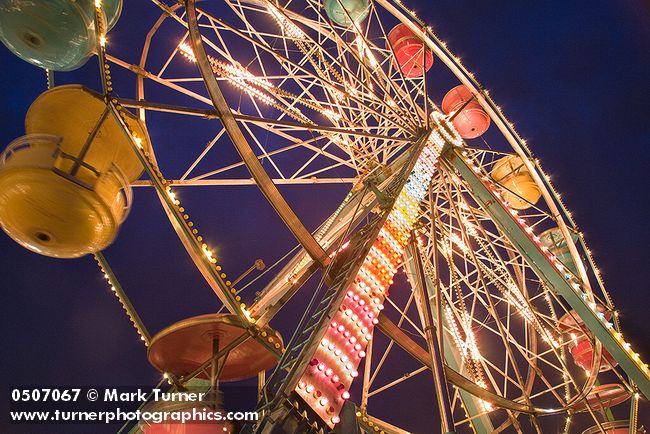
(504, 316)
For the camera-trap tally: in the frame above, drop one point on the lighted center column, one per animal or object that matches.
(326, 381)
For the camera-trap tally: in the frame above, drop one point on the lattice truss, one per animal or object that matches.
(502, 325)
(327, 98)
(323, 103)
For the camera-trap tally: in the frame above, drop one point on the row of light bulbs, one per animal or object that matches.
(343, 345)
(561, 268)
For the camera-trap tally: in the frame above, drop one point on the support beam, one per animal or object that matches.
(308, 344)
(221, 182)
(213, 114)
(390, 329)
(369, 423)
(124, 300)
(422, 301)
(549, 270)
(480, 422)
(351, 212)
(179, 223)
(240, 142)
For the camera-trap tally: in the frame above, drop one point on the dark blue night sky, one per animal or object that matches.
(574, 78)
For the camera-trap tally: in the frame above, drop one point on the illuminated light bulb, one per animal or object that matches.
(362, 354)
(310, 388)
(345, 395)
(329, 372)
(335, 378)
(323, 401)
(302, 384)
(354, 374)
(321, 366)
(335, 420)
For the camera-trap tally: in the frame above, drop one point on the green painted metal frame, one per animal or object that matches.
(481, 424)
(567, 286)
(429, 317)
